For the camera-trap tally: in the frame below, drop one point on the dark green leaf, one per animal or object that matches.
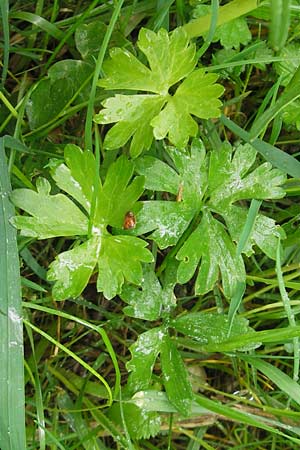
(211, 328)
(144, 353)
(210, 246)
(177, 384)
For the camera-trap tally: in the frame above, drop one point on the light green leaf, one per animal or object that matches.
(176, 382)
(232, 34)
(211, 328)
(133, 114)
(144, 353)
(159, 176)
(171, 58)
(212, 247)
(168, 219)
(149, 302)
(53, 215)
(230, 181)
(77, 177)
(265, 232)
(118, 194)
(198, 95)
(71, 270)
(120, 258)
(188, 181)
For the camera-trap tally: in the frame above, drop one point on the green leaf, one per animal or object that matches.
(133, 114)
(53, 215)
(211, 328)
(149, 301)
(291, 114)
(71, 270)
(64, 80)
(176, 382)
(168, 219)
(265, 232)
(230, 181)
(75, 177)
(118, 194)
(188, 181)
(89, 38)
(120, 258)
(286, 68)
(232, 34)
(141, 424)
(144, 353)
(171, 58)
(211, 246)
(197, 95)
(12, 411)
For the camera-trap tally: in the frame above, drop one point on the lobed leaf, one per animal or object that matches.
(171, 58)
(198, 95)
(144, 353)
(151, 300)
(265, 232)
(210, 247)
(176, 382)
(119, 259)
(72, 269)
(229, 180)
(52, 215)
(211, 328)
(76, 178)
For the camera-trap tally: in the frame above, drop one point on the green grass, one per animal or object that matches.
(178, 362)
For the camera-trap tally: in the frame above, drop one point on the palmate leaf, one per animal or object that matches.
(152, 300)
(211, 247)
(170, 219)
(171, 58)
(213, 328)
(118, 258)
(265, 232)
(144, 353)
(229, 180)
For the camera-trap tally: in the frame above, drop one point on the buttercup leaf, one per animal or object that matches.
(144, 353)
(118, 258)
(198, 95)
(171, 58)
(47, 220)
(230, 181)
(71, 270)
(177, 384)
(211, 247)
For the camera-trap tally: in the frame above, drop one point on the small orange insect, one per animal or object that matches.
(129, 221)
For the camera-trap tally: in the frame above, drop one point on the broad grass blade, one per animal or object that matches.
(12, 399)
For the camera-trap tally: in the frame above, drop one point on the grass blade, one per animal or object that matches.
(4, 8)
(12, 412)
